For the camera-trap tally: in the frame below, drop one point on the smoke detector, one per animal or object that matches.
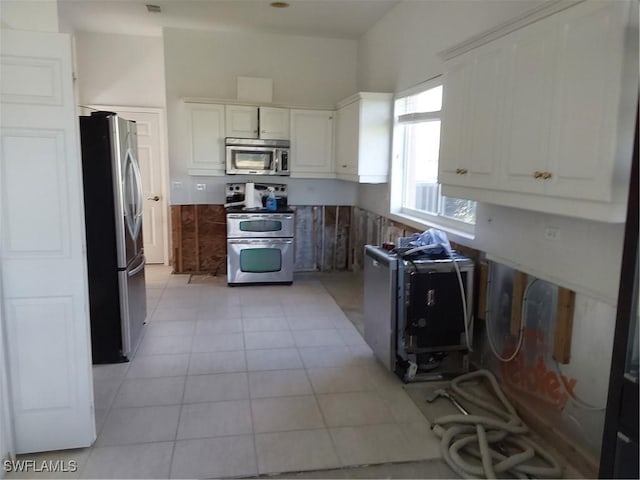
(154, 8)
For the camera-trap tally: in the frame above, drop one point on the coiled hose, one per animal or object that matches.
(479, 436)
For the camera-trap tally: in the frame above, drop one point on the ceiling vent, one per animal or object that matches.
(153, 8)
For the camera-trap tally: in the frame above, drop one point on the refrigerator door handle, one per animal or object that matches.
(140, 199)
(137, 270)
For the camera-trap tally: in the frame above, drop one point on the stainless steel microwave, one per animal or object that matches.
(250, 156)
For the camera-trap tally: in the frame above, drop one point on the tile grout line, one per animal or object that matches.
(253, 429)
(324, 419)
(184, 389)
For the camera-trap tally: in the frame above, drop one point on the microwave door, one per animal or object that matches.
(251, 160)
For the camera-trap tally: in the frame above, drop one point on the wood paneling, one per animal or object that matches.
(199, 235)
(199, 238)
(326, 237)
(519, 285)
(483, 279)
(564, 326)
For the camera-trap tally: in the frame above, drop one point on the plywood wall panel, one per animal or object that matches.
(322, 238)
(212, 244)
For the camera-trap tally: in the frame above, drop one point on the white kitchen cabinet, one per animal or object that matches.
(588, 98)
(205, 133)
(546, 114)
(473, 93)
(312, 144)
(274, 123)
(257, 122)
(363, 137)
(527, 111)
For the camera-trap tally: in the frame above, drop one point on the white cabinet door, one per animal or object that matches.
(363, 137)
(205, 126)
(274, 123)
(528, 108)
(455, 102)
(347, 139)
(312, 144)
(241, 121)
(484, 116)
(43, 255)
(472, 110)
(586, 99)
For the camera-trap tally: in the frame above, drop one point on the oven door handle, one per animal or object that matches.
(259, 216)
(265, 241)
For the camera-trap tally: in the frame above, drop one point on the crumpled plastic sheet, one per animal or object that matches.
(432, 236)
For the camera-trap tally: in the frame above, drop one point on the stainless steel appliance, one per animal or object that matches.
(257, 157)
(236, 196)
(113, 218)
(259, 242)
(413, 316)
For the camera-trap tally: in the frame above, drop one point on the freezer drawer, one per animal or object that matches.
(132, 282)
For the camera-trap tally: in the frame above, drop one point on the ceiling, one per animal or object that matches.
(319, 18)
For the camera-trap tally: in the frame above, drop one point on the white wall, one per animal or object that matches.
(121, 70)
(306, 71)
(401, 51)
(32, 15)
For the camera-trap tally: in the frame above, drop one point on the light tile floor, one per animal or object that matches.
(245, 381)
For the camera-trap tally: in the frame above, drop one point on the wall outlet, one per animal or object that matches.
(201, 186)
(551, 233)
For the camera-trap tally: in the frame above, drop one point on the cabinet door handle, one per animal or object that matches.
(538, 174)
(264, 131)
(546, 175)
(255, 131)
(344, 166)
(461, 171)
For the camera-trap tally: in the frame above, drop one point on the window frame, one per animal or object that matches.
(396, 184)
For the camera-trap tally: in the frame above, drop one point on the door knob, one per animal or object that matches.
(155, 198)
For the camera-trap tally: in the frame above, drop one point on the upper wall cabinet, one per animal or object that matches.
(312, 144)
(473, 91)
(542, 118)
(257, 122)
(363, 137)
(205, 127)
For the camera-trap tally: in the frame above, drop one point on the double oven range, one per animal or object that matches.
(259, 241)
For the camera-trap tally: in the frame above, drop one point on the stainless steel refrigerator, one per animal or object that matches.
(113, 216)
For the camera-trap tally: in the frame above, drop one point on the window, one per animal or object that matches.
(415, 188)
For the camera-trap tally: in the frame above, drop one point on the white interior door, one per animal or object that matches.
(42, 246)
(7, 449)
(151, 159)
